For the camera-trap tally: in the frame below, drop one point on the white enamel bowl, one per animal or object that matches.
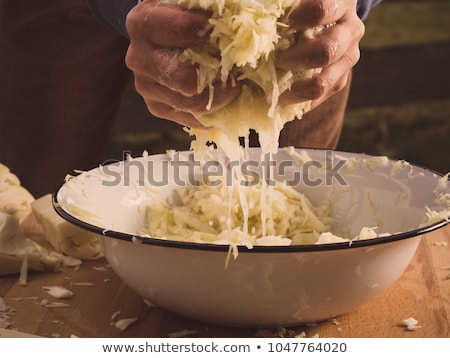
(265, 286)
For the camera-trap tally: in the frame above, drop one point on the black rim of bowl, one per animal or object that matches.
(282, 249)
(214, 247)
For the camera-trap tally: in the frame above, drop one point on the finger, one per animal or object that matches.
(196, 104)
(320, 51)
(322, 85)
(312, 13)
(167, 25)
(339, 85)
(162, 110)
(163, 66)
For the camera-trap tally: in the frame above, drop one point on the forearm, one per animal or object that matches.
(114, 12)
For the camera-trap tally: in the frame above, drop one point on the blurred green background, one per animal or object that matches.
(399, 102)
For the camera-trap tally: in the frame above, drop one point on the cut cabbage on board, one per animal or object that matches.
(244, 39)
(17, 252)
(15, 248)
(65, 237)
(14, 198)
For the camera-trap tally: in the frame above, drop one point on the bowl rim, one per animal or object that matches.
(256, 248)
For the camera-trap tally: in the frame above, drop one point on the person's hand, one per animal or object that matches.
(158, 35)
(335, 49)
(160, 32)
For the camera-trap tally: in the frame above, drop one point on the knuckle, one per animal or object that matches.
(132, 21)
(340, 84)
(355, 59)
(359, 29)
(130, 58)
(352, 58)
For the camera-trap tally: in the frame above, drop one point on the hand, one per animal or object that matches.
(335, 49)
(158, 35)
(160, 32)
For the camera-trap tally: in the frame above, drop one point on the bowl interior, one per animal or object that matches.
(363, 191)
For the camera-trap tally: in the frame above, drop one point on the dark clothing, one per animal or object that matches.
(114, 12)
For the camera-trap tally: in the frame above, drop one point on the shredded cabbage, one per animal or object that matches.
(203, 214)
(244, 39)
(15, 247)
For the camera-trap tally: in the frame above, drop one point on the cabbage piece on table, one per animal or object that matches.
(14, 198)
(15, 248)
(65, 237)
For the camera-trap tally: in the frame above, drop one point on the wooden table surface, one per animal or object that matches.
(423, 292)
